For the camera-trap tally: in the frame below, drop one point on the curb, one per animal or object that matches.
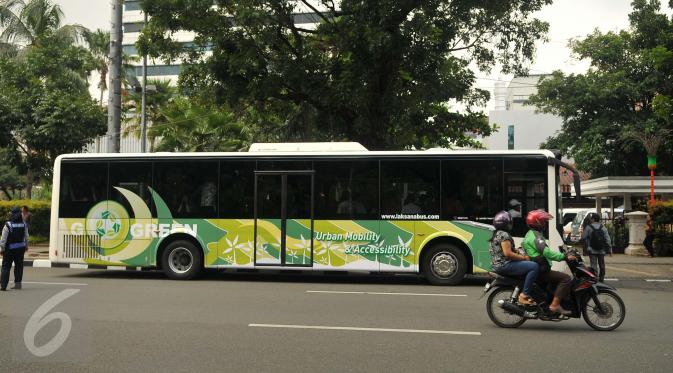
(43, 263)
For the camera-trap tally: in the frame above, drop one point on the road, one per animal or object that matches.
(132, 321)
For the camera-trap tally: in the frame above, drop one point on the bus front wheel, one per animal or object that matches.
(181, 260)
(444, 264)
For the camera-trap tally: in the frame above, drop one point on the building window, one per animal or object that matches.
(133, 27)
(130, 5)
(510, 137)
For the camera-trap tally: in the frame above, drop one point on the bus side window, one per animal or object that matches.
(410, 188)
(347, 190)
(525, 190)
(135, 177)
(82, 186)
(188, 187)
(237, 189)
(471, 189)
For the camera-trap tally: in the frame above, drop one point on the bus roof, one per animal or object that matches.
(320, 154)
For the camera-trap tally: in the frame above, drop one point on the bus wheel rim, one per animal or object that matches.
(180, 260)
(444, 264)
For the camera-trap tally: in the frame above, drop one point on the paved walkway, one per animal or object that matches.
(627, 266)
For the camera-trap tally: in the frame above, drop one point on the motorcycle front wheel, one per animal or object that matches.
(609, 316)
(497, 314)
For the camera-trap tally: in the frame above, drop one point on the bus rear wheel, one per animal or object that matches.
(444, 264)
(181, 260)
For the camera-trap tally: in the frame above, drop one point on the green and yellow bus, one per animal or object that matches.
(309, 207)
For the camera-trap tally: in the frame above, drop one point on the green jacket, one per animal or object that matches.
(531, 244)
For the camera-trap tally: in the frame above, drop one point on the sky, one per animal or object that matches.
(567, 19)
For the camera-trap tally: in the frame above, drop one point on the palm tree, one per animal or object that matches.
(7, 50)
(189, 127)
(99, 46)
(24, 23)
(651, 139)
(161, 94)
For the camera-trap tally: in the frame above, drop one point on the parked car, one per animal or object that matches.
(574, 227)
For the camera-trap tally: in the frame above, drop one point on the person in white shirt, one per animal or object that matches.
(515, 208)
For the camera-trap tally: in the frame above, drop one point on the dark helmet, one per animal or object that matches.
(594, 217)
(503, 221)
(537, 219)
(15, 215)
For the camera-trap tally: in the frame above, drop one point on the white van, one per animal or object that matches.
(574, 228)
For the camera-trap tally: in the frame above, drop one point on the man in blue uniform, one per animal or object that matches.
(13, 245)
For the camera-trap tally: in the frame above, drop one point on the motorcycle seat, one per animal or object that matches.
(506, 280)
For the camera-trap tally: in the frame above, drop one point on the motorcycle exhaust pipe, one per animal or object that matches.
(507, 306)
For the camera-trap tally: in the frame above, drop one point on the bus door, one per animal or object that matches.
(284, 218)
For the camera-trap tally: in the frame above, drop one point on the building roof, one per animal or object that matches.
(566, 177)
(620, 185)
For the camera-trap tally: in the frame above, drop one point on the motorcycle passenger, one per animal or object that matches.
(536, 247)
(506, 261)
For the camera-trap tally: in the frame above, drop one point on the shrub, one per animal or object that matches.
(662, 217)
(40, 215)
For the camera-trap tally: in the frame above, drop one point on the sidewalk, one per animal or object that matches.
(37, 252)
(627, 266)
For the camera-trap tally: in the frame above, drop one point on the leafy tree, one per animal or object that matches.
(45, 106)
(189, 127)
(25, 23)
(388, 73)
(627, 90)
(11, 180)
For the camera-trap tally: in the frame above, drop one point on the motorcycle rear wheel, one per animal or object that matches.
(613, 313)
(497, 314)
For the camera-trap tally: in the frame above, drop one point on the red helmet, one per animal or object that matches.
(537, 219)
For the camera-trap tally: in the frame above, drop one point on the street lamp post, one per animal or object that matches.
(143, 114)
(115, 99)
(652, 165)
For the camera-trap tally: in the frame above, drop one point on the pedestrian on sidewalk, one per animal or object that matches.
(598, 242)
(13, 245)
(26, 215)
(649, 236)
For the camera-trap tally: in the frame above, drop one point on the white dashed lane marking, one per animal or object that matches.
(381, 293)
(352, 328)
(55, 283)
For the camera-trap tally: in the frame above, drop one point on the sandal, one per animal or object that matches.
(526, 300)
(560, 310)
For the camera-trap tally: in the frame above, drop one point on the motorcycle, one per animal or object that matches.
(598, 303)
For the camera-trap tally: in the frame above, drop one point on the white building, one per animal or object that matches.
(519, 126)
(133, 22)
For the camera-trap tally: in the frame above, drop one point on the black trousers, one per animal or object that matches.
(560, 279)
(598, 262)
(12, 256)
(648, 243)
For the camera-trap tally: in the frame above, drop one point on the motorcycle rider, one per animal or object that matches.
(506, 261)
(536, 248)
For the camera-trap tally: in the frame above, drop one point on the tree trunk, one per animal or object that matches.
(9, 196)
(29, 183)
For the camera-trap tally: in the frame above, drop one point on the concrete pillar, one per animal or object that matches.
(599, 203)
(612, 207)
(636, 224)
(627, 202)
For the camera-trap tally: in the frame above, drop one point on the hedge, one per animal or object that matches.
(662, 217)
(40, 217)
